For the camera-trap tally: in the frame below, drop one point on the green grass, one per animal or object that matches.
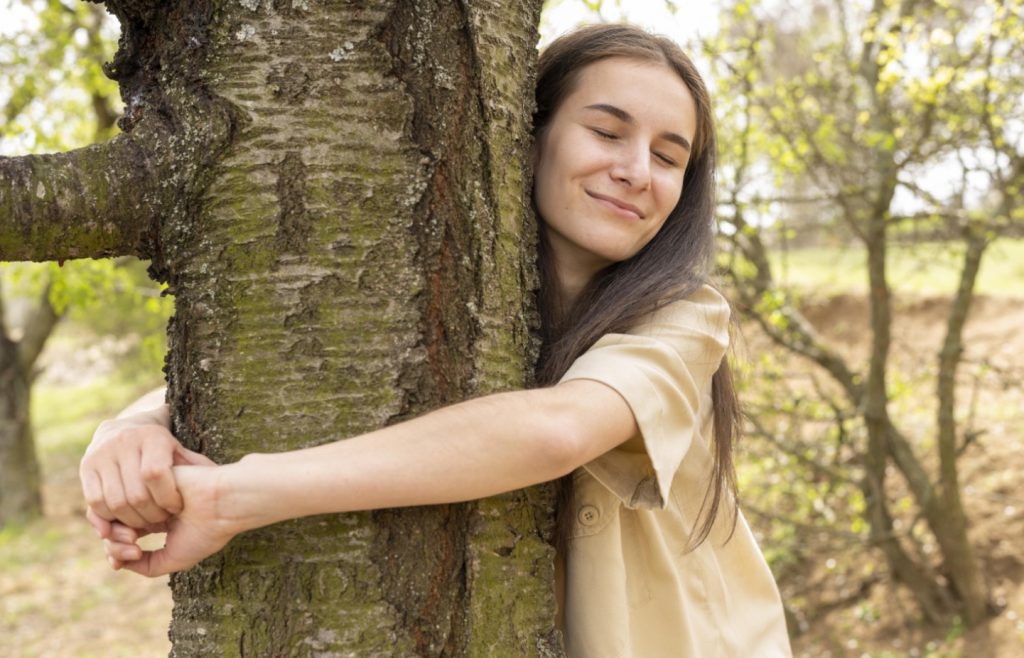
(926, 269)
(64, 417)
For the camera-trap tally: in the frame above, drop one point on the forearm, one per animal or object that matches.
(151, 404)
(470, 450)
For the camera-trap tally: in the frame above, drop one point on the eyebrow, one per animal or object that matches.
(626, 117)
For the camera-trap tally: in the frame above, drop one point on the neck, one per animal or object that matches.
(573, 270)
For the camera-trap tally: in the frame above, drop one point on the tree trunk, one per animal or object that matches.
(20, 482)
(359, 255)
(336, 193)
(20, 498)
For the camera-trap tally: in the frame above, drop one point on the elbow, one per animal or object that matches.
(564, 436)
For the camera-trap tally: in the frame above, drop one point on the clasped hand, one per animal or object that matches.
(137, 480)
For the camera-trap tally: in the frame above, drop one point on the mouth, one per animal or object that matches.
(614, 204)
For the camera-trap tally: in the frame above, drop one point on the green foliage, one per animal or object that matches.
(864, 147)
(928, 269)
(55, 98)
(52, 83)
(100, 297)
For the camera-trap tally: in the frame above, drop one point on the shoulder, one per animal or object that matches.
(705, 306)
(698, 322)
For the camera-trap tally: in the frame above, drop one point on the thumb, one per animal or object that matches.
(185, 457)
(152, 564)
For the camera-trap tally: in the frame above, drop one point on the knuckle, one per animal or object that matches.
(137, 499)
(153, 472)
(94, 499)
(118, 505)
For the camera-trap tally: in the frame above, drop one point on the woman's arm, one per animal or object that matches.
(466, 451)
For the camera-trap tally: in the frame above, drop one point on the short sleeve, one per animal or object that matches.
(663, 369)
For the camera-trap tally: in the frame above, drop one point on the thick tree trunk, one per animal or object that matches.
(336, 193)
(357, 254)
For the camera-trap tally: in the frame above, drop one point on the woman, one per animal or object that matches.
(637, 413)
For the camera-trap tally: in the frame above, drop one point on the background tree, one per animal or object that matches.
(836, 118)
(336, 197)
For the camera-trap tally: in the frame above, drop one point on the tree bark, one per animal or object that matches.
(951, 530)
(20, 498)
(336, 194)
(349, 247)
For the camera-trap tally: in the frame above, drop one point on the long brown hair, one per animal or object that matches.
(674, 264)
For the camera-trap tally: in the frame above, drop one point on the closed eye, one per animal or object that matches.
(667, 160)
(604, 134)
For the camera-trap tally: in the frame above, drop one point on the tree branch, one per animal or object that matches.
(38, 327)
(97, 201)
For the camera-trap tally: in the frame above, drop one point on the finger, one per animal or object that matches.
(100, 525)
(121, 552)
(117, 500)
(133, 475)
(123, 534)
(152, 564)
(185, 457)
(158, 478)
(141, 532)
(92, 488)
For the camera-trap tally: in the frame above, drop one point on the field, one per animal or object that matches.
(59, 598)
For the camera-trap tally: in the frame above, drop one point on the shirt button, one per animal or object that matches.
(588, 515)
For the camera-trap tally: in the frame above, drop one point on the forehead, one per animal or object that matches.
(650, 91)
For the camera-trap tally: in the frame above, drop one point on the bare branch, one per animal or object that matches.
(798, 451)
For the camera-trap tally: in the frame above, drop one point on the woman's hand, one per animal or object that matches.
(126, 471)
(192, 535)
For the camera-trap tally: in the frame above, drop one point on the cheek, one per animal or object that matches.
(671, 193)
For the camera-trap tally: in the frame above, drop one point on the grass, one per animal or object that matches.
(927, 269)
(58, 597)
(65, 416)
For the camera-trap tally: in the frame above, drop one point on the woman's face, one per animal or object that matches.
(610, 164)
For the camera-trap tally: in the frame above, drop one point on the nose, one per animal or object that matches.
(633, 168)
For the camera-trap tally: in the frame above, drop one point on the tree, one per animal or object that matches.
(845, 108)
(336, 196)
(20, 497)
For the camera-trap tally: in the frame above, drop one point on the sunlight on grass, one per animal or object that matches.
(65, 416)
(926, 269)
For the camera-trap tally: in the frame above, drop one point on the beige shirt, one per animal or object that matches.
(631, 588)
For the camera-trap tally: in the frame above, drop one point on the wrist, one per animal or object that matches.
(239, 495)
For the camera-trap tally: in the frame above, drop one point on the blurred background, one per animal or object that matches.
(872, 241)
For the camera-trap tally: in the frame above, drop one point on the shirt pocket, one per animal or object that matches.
(611, 540)
(594, 505)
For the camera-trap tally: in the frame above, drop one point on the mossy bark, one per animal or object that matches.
(336, 193)
(360, 255)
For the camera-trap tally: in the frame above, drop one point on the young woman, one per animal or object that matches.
(636, 414)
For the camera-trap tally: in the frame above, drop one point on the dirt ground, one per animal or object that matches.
(58, 598)
(991, 472)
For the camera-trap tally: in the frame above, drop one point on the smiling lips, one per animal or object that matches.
(621, 207)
